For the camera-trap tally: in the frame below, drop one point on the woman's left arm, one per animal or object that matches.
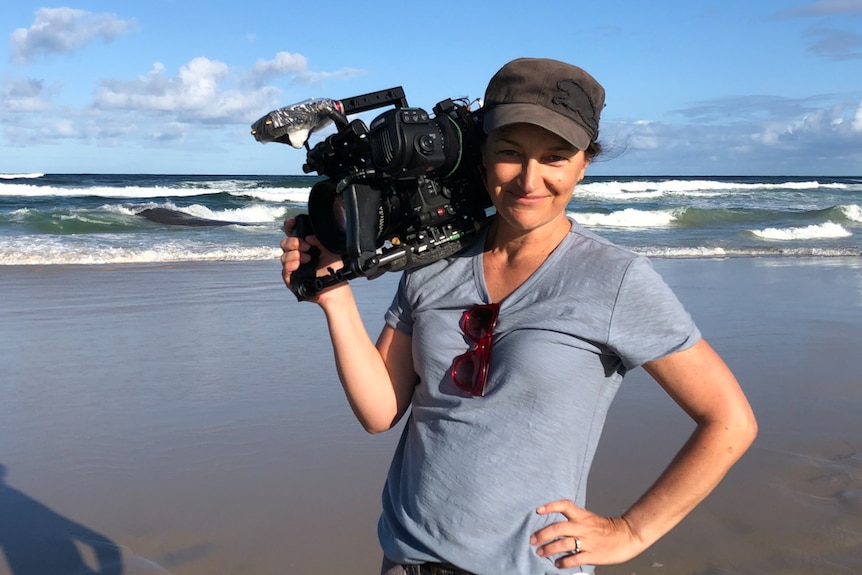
(702, 385)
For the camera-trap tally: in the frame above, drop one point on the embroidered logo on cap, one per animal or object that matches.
(576, 100)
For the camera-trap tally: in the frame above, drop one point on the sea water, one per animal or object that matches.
(96, 219)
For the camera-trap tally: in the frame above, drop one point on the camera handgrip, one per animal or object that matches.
(303, 281)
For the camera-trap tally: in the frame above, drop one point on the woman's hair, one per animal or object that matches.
(593, 150)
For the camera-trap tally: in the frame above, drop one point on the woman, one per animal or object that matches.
(509, 354)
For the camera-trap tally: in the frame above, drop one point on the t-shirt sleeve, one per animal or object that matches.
(400, 314)
(648, 321)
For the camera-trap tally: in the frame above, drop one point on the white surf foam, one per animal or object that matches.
(629, 218)
(291, 195)
(646, 189)
(44, 250)
(131, 192)
(812, 232)
(252, 214)
(852, 212)
(20, 176)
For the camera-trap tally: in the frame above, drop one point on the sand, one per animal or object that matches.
(187, 419)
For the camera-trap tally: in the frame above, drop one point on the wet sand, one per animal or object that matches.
(187, 419)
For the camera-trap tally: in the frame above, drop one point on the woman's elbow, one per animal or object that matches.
(741, 430)
(373, 426)
(373, 429)
(749, 427)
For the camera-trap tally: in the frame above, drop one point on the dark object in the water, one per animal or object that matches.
(178, 218)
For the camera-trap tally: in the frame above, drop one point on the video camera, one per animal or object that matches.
(404, 192)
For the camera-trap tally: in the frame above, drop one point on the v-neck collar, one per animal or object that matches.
(478, 251)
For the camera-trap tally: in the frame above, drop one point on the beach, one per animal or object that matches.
(186, 418)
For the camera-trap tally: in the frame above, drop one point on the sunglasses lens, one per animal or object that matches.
(479, 321)
(469, 372)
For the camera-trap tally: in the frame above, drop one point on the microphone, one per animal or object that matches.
(294, 124)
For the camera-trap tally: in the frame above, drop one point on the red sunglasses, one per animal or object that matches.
(470, 370)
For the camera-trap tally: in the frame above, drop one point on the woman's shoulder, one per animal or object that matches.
(448, 279)
(456, 263)
(591, 249)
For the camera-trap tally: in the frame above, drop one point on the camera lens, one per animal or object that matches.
(328, 217)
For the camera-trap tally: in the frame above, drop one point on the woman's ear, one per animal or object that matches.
(481, 167)
(483, 173)
(583, 170)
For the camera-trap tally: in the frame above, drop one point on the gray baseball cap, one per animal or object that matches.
(556, 96)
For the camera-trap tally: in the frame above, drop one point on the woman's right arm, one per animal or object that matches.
(377, 379)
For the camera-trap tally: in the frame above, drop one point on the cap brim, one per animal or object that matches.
(507, 114)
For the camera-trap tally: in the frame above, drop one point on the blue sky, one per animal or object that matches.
(736, 87)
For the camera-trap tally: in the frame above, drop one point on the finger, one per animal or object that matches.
(290, 262)
(291, 259)
(553, 533)
(288, 226)
(572, 560)
(564, 506)
(302, 244)
(290, 243)
(568, 544)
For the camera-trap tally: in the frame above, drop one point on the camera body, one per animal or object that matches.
(405, 191)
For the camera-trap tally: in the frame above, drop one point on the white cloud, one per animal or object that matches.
(25, 95)
(283, 63)
(183, 108)
(631, 137)
(643, 136)
(202, 90)
(295, 65)
(196, 93)
(64, 129)
(856, 124)
(839, 122)
(64, 30)
(757, 136)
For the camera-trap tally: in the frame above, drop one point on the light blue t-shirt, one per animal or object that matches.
(469, 472)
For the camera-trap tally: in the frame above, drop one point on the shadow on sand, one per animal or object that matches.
(36, 540)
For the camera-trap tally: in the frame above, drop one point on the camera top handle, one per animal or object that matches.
(373, 100)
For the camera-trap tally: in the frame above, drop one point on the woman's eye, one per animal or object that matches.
(507, 153)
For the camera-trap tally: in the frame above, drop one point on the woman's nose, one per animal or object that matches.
(531, 175)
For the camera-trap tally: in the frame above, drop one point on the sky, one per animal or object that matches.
(731, 87)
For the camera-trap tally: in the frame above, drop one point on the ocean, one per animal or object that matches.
(90, 219)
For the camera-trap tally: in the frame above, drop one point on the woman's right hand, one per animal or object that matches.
(295, 252)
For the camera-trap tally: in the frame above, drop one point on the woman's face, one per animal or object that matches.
(531, 174)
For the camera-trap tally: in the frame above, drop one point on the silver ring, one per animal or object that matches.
(577, 546)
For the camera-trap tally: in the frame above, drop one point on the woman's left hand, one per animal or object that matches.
(700, 382)
(584, 538)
